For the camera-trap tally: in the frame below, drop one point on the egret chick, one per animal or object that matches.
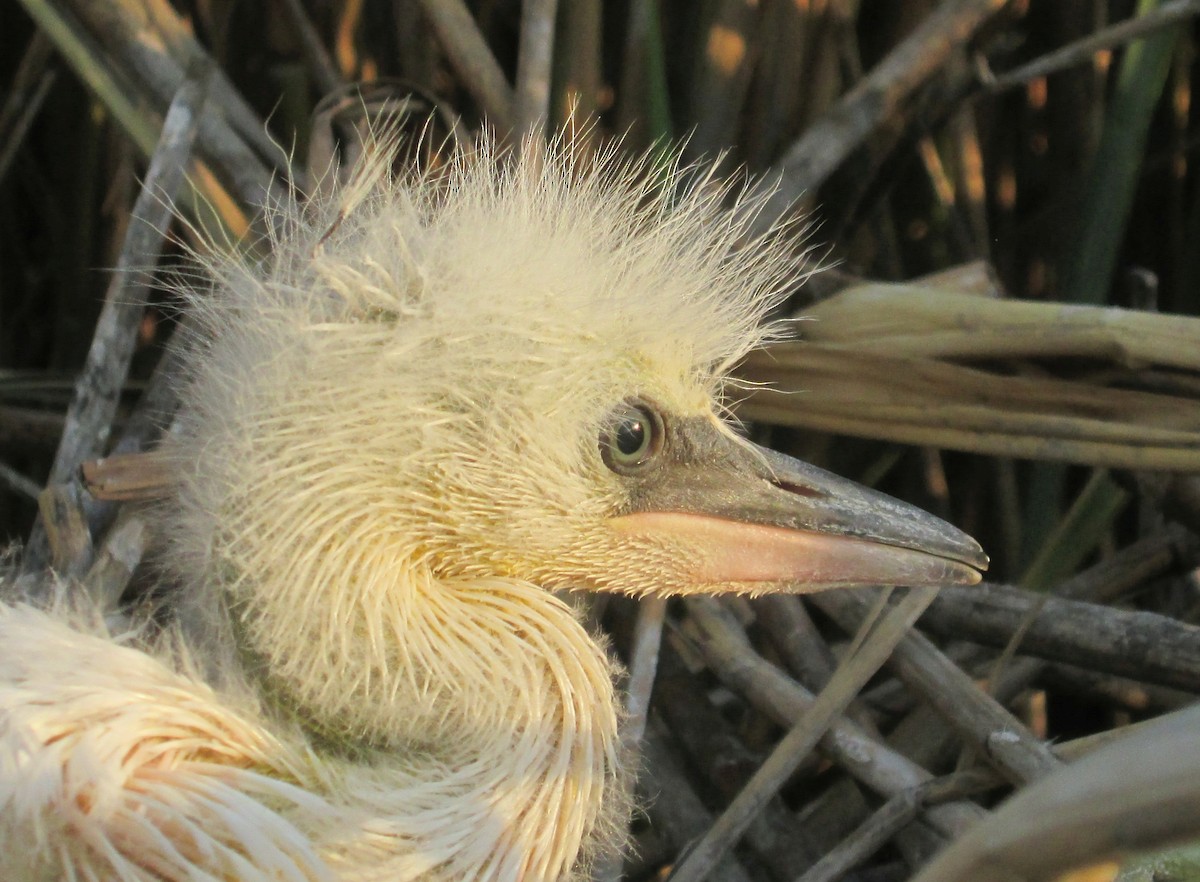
(441, 399)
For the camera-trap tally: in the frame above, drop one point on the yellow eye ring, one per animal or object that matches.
(632, 437)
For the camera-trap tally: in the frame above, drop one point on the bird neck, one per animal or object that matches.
(492, 681)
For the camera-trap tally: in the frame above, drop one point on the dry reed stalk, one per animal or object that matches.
(896, 361)
(1136, 794)
(880, 103)
(878, 640)
(535, 60)
(474, 62)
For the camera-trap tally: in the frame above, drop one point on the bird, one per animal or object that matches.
(435, 407)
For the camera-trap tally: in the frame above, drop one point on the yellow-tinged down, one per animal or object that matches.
(388, 460)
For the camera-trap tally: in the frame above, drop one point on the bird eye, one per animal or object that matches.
(632, 437)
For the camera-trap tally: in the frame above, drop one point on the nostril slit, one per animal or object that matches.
(800, 489)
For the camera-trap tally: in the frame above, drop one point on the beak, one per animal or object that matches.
(753, 515)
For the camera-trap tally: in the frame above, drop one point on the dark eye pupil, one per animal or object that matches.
(631, 435)
(632, 438)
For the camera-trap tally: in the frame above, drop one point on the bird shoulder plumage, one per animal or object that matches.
(385, 466)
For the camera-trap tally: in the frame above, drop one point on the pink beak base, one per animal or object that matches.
(733, 551)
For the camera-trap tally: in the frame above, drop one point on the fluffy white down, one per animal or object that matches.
(388, 455)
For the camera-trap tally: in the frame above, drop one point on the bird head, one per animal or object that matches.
(518, 366)
(514, 368)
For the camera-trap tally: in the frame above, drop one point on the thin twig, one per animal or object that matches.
(847, 680)
(643, 665)
(880, 100)
(29, 427)
(985, 723)
(895, 814)
(869, 760)
(804, 652)
(1081, 51)
(1133, 565)
(16, 481)
(13, 139)
(30, 85)
(796, 638)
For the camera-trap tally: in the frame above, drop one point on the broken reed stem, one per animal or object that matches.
(795, 43)
(642, 104)
(578, 72)
(89, 418)
(1141, 645)
(721, 81)
(116, 560)
(68, 539)
(850, 676)
(1140, 793)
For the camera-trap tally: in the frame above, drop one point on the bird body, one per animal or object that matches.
(117, 747)
(439, 400)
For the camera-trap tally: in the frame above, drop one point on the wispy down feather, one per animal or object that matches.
(388, 457)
